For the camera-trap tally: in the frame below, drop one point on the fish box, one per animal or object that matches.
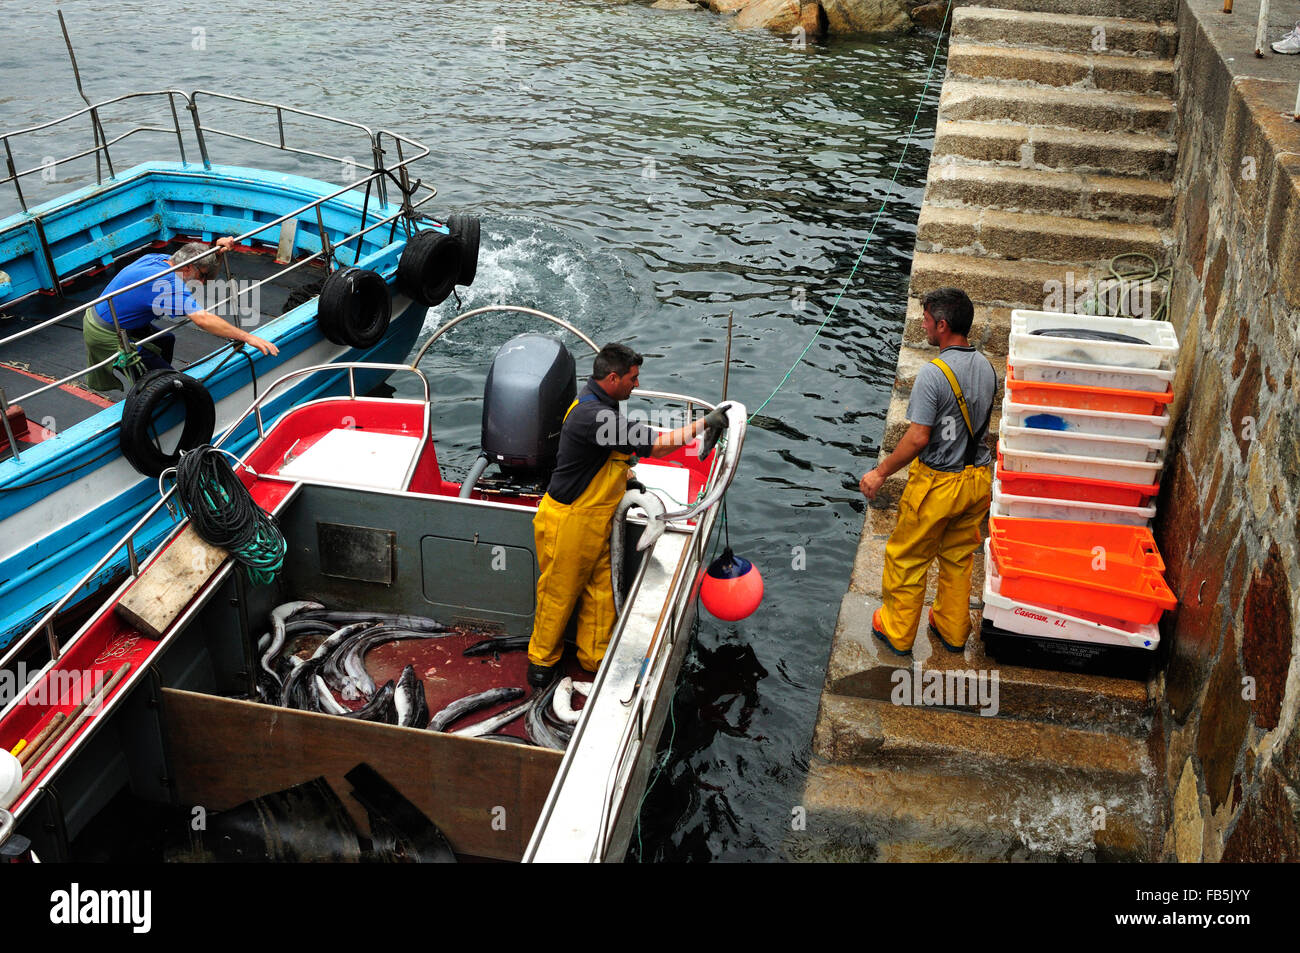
(1076, 444)
(1072, 488)
(1104, 423)
(1079, 467)
(1149, 383)
(1045, 335)
(1042, 507)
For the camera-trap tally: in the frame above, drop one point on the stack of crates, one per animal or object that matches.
(1073, 577)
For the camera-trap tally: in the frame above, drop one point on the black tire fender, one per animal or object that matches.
(429, 267)
(465, 228)
(144, 401)
(354, 307)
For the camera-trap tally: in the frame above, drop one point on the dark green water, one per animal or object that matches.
(640, 173)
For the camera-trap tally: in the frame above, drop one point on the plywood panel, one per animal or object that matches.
(224, 752)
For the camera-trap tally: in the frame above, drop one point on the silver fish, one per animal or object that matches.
(279, 616)
(562, 702)
(655, 511)
(472, 703)
(489, 725)
(412, 706)
(535, 726)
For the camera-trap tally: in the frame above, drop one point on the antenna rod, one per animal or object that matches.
(76, 73)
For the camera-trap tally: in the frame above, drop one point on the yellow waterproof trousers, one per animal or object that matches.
(939, 515)
(573, 559)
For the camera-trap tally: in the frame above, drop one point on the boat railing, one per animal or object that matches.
(725, 466)
(374, 180)
(127, 542)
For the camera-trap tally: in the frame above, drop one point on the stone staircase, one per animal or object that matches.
(1054, 152)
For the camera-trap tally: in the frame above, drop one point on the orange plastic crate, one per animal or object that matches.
(1052, 562)
(1081, 397)
(1079, 489)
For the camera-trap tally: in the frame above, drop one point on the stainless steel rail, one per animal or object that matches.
(376, 178)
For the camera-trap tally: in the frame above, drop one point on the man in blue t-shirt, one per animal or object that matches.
(164, 297)
(947, 493)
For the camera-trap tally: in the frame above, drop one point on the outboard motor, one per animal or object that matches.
(529, 389)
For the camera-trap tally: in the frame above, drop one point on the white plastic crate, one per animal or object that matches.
(1041, 371)
(1160, 349)
(1081, 444)
(1045, 508)
(1091, 468)
(1071, 420)
(1053, 622)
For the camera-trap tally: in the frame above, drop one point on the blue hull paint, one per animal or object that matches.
(156, 202)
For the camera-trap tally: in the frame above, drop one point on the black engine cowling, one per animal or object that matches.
(529, 389)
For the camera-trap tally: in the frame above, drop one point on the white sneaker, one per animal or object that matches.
(1289, 43)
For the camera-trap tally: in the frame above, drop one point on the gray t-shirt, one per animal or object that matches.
(934, 405)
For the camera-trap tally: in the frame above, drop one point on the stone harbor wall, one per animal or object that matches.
(1229, 516)
(821, 17)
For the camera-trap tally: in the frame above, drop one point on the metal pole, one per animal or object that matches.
(176, 123)
(13, 174)
(76, 73)
(726, 366)
(9, 430)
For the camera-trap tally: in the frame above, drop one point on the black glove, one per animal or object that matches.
(715, 424)
(636, 485)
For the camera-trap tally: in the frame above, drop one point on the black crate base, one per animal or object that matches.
(1033, 651)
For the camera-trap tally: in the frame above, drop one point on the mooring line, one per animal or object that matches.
(929, 76)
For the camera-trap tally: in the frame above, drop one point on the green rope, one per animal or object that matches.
(881, 211)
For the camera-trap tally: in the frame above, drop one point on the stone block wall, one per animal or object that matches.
(1229, 526)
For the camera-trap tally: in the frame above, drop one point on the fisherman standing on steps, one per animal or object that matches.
(947, 493)
(167, 296)
(573, 520)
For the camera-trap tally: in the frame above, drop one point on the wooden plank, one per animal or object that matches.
(485, 796)
(168, 585)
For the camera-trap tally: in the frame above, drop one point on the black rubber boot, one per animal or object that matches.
(539, 676)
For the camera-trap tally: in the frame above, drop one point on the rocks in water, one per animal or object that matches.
(930, 16)
(866, 16)
(675, 5)
(779, 16)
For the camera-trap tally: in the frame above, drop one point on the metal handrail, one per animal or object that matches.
(376, 177)
(735, 440)
(448, 325)
(661, 641)
(46, 621)
(243, 291)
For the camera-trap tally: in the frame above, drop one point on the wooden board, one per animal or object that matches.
(169, 583)
(485, 796)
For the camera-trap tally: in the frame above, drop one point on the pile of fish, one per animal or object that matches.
(338, 665)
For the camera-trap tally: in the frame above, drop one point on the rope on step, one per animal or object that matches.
(1128, 282)
(929, 76)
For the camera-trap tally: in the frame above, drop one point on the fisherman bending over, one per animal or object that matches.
(573, 520)
(166, 296)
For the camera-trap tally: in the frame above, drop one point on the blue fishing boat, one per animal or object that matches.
(324, 273)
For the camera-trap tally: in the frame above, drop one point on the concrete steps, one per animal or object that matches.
(1149, 10)
(1069, 33)
(885, 812)
(1081, 71)
(1100, 197)
(1015, 235)
(1015, 144)
(1090, 110)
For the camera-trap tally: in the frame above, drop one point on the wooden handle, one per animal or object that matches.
(70, 728)
(38, 744)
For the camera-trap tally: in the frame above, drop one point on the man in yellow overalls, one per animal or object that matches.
(947, 493)
(573, 520)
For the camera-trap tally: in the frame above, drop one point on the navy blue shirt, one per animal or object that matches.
(592, 430)
(163, 297)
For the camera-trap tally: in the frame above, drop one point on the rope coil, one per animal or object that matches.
(224, 514)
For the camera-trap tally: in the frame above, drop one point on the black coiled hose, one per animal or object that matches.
(224, 514)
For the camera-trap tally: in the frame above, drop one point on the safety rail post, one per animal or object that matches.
(176, 124)
(13, 174)
(48, 256)
(9, 430)
(103, 145)
(192, 105)
(377, 151)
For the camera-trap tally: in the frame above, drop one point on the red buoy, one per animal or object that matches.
(732, 588)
